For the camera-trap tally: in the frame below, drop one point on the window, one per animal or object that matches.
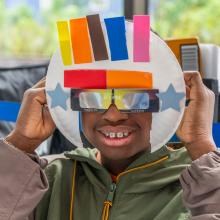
(188, 18)
(28, 27)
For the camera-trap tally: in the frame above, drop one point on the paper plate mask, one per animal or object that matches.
(114, 57)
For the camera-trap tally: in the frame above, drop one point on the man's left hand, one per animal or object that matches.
(195, 129)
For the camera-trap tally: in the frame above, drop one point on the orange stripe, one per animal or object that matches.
(129, 79)
(80, 41)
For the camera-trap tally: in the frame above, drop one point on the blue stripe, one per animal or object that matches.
(9, 111)
(117, 38)
(215, 133)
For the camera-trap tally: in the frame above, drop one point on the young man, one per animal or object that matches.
(119, 179)
(126, 175)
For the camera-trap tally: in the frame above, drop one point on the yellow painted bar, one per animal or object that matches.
(65, 43)
(129, 79)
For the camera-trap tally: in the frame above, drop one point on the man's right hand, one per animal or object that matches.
(34, 123)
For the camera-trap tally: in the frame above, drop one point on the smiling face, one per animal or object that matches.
(118, 135)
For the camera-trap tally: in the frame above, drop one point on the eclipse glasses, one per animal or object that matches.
(126, 100)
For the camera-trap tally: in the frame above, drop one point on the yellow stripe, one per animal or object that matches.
(73, 190)
(142, 167)
(63, 30)
(65, 44)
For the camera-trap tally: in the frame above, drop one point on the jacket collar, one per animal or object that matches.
(148, 172)
(89, 155)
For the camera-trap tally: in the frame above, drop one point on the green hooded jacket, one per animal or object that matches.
(81, 189)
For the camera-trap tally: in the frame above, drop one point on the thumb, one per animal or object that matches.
(196, 88)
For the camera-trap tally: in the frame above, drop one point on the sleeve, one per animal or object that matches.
(22, 183)
(201, 187)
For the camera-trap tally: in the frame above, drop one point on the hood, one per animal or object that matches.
(151, 171)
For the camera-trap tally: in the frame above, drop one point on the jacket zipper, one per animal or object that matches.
(111, 193)
(108, 202)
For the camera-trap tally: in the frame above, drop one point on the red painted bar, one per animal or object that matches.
(85, 79)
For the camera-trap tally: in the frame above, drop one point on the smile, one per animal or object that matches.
(118, 136)
(115, 134)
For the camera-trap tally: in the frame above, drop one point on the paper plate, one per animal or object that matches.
(167, 77)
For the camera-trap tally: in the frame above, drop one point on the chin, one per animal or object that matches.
(123, 153)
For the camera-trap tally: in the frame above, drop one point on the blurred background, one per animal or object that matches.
(28, 27)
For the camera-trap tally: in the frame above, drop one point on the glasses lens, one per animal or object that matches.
(95, 99)
(131, 99)
(136, 101)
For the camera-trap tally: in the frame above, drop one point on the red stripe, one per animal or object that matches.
(85, 79)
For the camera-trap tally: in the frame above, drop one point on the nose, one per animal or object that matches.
(114, 115)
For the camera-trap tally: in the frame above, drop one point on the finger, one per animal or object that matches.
(41, 96)
(40, 83)
(47, 117)
(193, 79)
(37, 94)
(187, 92)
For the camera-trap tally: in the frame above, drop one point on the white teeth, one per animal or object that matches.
(119, 135)
(116, 135)
(112, 135)
(125, 134)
